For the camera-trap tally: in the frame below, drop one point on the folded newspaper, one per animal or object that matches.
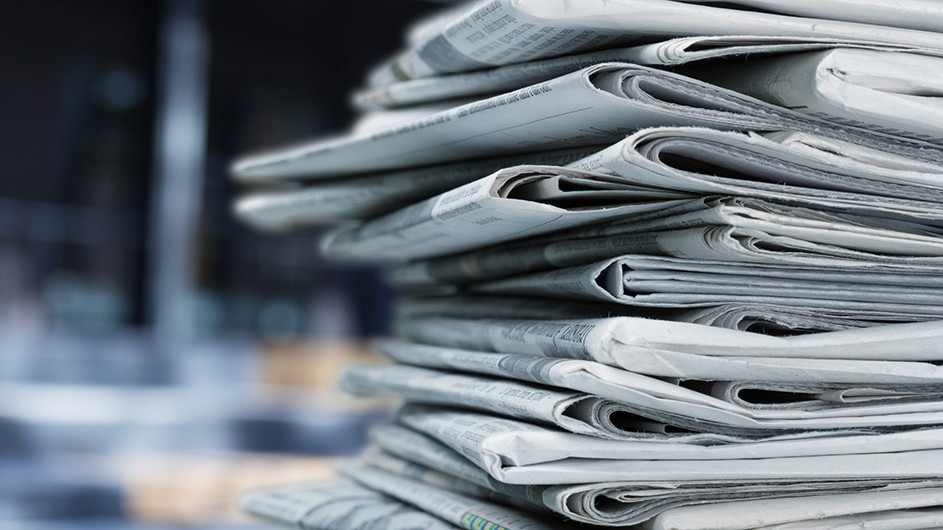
(407, 452)
(497, 32)
(753, 318)
(339, 505)
(512, 203)
(333, 202)
(724, 229)
(740, 407)
(671, 52)
(890, 510)
(898, 93)
(458, 509)
(786, 166)
(642, 169)
(882, 354)
(671, 283)
(517, 452)
(599, 104)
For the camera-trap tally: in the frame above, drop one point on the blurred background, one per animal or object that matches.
(156, 357)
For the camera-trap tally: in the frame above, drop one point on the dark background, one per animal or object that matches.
(112, 357)
(78, 101)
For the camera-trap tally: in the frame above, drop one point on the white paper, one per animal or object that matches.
(572, 411)
(369, 196)
(599, 104)
(691, 351)
(767, 513)
(708, 229)
(893, 92)
(671, 283)
(779, 166)
(661, 401)
(337, 505)
(682, 50)
(511, 31)
(459, 510)
(515, 452)
(509, 204)
(612, 503)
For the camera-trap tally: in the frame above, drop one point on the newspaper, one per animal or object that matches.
(376, 456)
(671, 282)
(516, 452)
(905, 519)
(459, 510)
(575, 412)
(599, 104)
(616, 503)
(758, 319)
(337, 505)
(370, 196)
(671, 52)
(412, 446)
(497, 32)
(638, 169)
(512, 203)
(589, 414)
(879, 510)
(789, 166)
(682, 350)
(739, 317)
(723, 229)
(722, 407)
(614, 338)
(897, 93)
(915, 14)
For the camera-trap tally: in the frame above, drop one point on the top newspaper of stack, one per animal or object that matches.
(589, 106)
(498, 32)
(668, 53)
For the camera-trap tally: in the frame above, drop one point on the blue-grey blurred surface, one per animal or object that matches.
(145, 336)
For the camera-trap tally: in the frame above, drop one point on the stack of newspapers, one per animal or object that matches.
(665, 264)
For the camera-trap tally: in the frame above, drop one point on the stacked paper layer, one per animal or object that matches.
(658, 275)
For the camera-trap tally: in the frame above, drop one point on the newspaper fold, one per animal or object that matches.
(337, 505)
(575, 412)
(759, 319)
(671, 282)
(509, 204)
(877, 355)
(596, 105)
(740, 317)
(644, 167)
(672, 52)
(459, 510)
(742, 407)
(376, 456)
(412, 446)
(787, 166)
(722, 229)
(915, 14)
(898, 93)
(516, 452)
(370, 196)
(906, 510)
(615, 503)
(502, 32)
